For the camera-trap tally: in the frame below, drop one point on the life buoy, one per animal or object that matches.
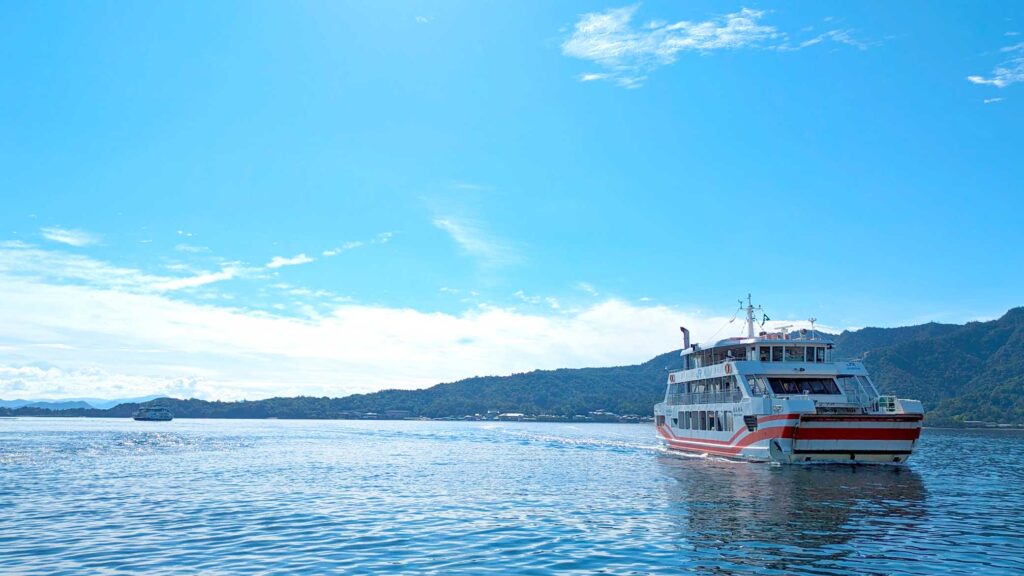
(671, 377)
(728, 368)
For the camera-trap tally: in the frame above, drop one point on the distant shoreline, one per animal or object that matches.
(1004, 428)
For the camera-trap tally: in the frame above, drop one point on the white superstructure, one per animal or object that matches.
(781, 397)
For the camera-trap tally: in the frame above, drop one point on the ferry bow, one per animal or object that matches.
(779, 396)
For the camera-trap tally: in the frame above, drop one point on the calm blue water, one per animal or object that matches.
(220, 496)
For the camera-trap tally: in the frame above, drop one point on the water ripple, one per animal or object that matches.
(223, 497)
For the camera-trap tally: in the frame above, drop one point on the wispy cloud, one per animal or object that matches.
(343, 248)
(70, 237)
(476, 242)
(588, 288)
(424, 19)
(190, 249)
(279, 261)
(1009, 71)
(627, 53)
(991, 100)
(839, 36)
(382, 238)
(226, 273)
(527, 299)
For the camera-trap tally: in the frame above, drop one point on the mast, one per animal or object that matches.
(750, 317)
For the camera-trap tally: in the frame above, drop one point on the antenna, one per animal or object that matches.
(814, 334)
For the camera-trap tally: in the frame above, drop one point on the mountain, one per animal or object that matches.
(961, 372)
(969, 372)
(70, 403)
(47, 404)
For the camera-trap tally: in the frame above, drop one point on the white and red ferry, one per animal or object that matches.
(781, 397)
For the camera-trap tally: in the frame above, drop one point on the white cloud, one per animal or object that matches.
(75, 326)
(527, 299)
(190, 249)
(423, 19)
(588, 288)
(992, 100)
(134, 344)
(475, 242)
(279, 261)
(70, 237)
(1010, 71)
(21, 260)
(382, 238)
(227, 273)
(626, 52)
(343, 248)
(838, 36)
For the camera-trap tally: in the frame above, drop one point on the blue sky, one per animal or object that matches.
(242, 200)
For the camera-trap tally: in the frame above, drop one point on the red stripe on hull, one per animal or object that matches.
(879, 419)
(857, 434)
(717, 446)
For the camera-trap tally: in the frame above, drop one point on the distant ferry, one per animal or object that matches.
(780, 397)
(154, 413)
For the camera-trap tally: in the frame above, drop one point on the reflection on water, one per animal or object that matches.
(187, 496)
(778, 517)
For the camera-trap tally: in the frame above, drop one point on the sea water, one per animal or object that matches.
(273, 496)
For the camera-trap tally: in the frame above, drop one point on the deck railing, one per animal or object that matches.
(724, 396)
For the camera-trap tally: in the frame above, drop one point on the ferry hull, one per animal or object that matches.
(811, 438)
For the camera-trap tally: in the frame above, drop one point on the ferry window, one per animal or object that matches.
(820, 353)
(794, 353)
(661, 420)
(810, 354)
(675, 422)
(803, 385)
(711, 421)
(756, 386)
(702, 419)
(738, 353)
(682, 420)
(718, 422)
(766, 353)
(776, 353)
(728, 421)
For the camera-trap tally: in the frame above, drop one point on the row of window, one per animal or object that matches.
(713, 420)
(792, 354)
(803, 386)
(706, 386)
(779, 353)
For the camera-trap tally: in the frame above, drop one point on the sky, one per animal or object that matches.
(244, 200)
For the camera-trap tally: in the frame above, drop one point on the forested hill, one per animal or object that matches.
(970, 372)
(961, 372)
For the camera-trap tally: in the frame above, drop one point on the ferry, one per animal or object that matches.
(781, 397)
(153, 413)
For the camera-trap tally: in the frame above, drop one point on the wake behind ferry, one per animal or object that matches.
(780, 397)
